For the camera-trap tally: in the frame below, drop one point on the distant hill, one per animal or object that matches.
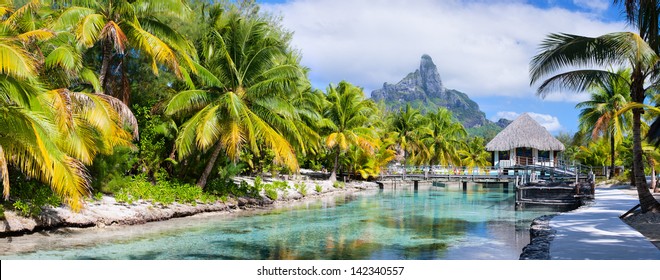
(423, 89)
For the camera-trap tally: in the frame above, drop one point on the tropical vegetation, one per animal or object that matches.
(575, 62)
(172, 100)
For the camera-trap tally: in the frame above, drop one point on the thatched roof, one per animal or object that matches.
(524, 132)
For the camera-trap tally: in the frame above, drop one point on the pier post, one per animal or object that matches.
(464, 185)
(415, 184)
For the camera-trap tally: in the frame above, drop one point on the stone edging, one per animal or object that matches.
(540, 235)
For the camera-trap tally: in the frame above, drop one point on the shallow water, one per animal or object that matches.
(432, 223)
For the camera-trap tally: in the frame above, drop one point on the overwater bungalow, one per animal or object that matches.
(524, 142)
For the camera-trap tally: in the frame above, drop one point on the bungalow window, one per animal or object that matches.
(544, 155)
(524, 152)
(504, 155)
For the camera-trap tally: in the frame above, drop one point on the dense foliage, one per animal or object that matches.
(171, 100)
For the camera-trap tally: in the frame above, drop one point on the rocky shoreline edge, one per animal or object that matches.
(540, 235)
(109, 212)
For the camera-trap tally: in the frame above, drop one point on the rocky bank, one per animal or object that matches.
(109, 212)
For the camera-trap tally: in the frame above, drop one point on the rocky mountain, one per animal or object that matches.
(424, 90)
(503, 123)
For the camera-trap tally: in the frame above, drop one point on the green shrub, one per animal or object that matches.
(29, 196)
(318, 188)
(301, 187)
(281, 185)
(2, 212)
(26, 208)
(339, 185)
(164, 191)
(271, 193)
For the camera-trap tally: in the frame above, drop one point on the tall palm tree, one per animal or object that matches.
(347, 119)
(239, 96)
(561, 51)
(443, 138)
(120, 25)
(406, 123)
(600, 115)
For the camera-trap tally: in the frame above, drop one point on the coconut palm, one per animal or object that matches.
(239, 98)
(120, 25)
(565, 61)
(443, 138)
(347, 121)
(406, 123)
(29, 137)
(473, 154)
(600, 115)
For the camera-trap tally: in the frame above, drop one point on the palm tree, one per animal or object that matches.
(347, 119)
(473, 153)
(600, 115)
(594, 154)
(239, 97)
(443, 137)
(561, 51)
(29, 139)
(119, 25)
(406, 122)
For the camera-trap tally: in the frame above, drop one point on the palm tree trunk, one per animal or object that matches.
(107, 55)
(209, 166)
(646, 199)
(405, 156)
(333, 175)
(125, 92)
(612, 159)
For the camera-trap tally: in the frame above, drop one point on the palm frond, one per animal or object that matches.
(156, 48)
(577, 80)
(39, 35)
(187, 101)
(564, 51)
(15, 61)
(64, 57)
(92, 26)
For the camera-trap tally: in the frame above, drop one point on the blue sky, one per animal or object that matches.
(481, 47)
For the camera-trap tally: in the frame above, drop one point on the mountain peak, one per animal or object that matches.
(423, 89)
(428, 72)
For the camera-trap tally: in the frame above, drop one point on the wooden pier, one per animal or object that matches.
(555, 187)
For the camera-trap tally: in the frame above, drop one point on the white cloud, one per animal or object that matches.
(551, 123)
(482, 48)
(594, 5)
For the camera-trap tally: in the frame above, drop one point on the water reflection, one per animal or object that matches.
(431, 223)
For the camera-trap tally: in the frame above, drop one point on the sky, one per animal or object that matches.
(481, 47)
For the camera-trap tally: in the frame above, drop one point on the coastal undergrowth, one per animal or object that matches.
(164, 191)
(28, 197)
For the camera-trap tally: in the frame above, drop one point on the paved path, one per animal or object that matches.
(597, 233)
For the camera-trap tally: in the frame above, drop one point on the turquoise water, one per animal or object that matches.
(432, 223)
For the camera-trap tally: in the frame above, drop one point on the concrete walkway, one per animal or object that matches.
(596, 232)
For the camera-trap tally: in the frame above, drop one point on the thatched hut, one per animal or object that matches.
(524, 142)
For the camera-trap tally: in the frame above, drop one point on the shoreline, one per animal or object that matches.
(542, 235)
(107, 212)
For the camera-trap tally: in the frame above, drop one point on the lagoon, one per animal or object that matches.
(430, 223)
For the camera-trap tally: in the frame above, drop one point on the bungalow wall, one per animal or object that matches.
(524, 156)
